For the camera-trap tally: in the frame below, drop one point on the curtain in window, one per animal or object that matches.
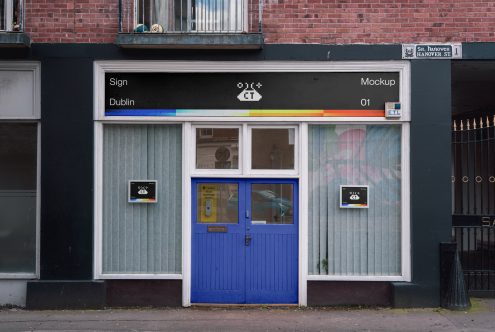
(163, 14)
(219, 15)
(357, 242)
(2, 14)
(140, 237)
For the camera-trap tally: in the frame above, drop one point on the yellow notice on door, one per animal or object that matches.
(208, 201)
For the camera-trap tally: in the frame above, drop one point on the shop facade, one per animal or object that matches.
(247, 193)
(246, 165)
(243, 152)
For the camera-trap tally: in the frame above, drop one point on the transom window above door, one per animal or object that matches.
(245, 149)
(217, 148)
(272, 148)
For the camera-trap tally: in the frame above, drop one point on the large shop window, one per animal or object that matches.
(355, 241)
(18, 182)
(141, 238)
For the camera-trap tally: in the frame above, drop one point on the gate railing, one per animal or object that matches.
(476, 247)
(473, 200)
(473, 166)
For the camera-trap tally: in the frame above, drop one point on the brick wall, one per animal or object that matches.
(378, 21)
(291, 21)
(71, 21)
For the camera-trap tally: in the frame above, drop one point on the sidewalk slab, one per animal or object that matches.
(480, 318)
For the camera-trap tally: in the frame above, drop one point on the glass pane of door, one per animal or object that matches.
(218, 203)
(272, 203)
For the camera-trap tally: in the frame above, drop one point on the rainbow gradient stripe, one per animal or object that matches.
(244, 113)
(143, 200)
(354, 205)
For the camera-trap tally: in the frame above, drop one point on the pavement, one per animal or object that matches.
(481, 317)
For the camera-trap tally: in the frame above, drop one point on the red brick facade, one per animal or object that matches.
(76, 21)
(292, 21)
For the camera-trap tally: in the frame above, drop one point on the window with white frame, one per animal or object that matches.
(141, 237)
(273, 148)
(190, 15)
(10, 15)
(354, 241)
(222, 149)
(18, 197)
(19, 170)
(217, 148)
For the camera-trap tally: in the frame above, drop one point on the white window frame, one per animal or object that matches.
(405, 210)
(218, 172)
(401, 67)
(33, 67)
(272, 172)
(98, 209)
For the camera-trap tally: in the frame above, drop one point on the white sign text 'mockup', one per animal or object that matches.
(377, 82)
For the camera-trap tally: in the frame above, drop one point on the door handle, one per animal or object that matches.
(248, 239)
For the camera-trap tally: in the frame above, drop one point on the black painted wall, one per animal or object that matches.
(67, 168)
(67, 150)
(430, 174)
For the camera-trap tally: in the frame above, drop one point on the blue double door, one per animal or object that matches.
(244, 241)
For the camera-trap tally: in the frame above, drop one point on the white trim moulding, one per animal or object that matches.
(140, 276)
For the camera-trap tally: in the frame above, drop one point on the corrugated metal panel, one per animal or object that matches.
(142, 238)
(354, 241)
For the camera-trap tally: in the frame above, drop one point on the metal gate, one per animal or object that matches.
(473, 199)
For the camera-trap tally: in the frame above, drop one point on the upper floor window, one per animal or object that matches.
(10, 15)
(191, 15)
(209, 16)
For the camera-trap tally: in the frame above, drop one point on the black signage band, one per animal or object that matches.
(250, 94)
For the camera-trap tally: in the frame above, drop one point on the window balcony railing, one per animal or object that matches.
(190, 16)
(11, 15)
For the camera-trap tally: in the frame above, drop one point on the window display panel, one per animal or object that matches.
(217, 148)
(355, 241)
(142, 238)
(272, 148)
(18, 169)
